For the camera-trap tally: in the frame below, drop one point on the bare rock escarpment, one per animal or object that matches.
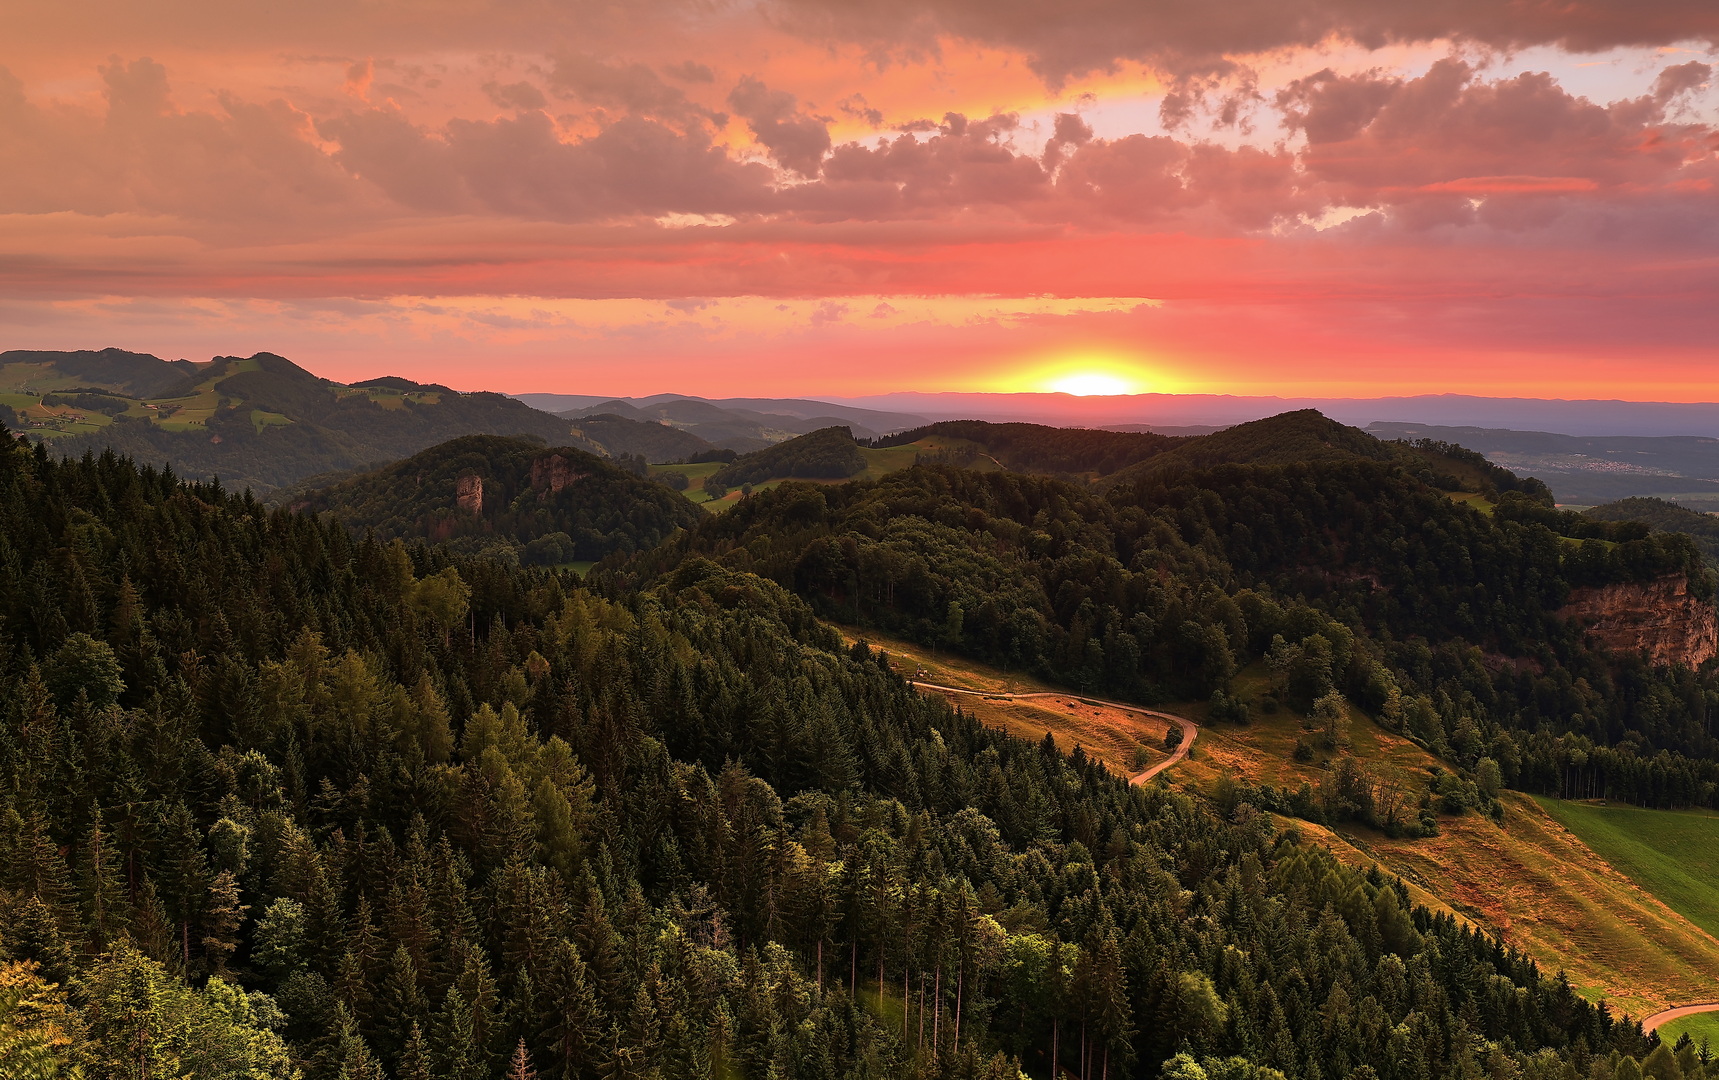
(468, 492)
(554, 472)
(1660, 619)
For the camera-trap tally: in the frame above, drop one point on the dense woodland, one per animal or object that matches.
(828, 453)
(1035, 448)
(1344, 573)
(1666, 517)
(283, 802)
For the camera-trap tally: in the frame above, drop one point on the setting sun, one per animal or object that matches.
(1090, 384)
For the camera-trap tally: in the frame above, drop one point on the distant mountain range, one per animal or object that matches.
(681, 409)
(260, 422)
(1162, 412)
(1589, 452)
(266, 423)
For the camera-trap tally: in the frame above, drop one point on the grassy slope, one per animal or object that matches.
(1673, 854)
(1533, 881)
(1702, 1027)
(1123, 741)
(186, 412)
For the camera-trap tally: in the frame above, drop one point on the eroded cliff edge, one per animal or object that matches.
(1661, 619)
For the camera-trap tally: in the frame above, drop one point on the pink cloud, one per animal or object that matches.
(680, 152)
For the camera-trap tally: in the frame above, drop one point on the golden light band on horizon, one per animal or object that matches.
(1098, 372)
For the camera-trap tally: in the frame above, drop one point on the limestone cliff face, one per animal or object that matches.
(1659, 619)
(554, 472)
(468, 492)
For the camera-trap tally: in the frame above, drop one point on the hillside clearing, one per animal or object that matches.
(1674, 854)
(1532, 881)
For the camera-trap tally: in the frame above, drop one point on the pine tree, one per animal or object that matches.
(574, 1021)
(34, 935)
(456, 1043)
(520, 1067)
(352, 1056)
(185, 874)
(151, 927)
(600, 948)
(415, 1058)
(42, 871)
(400, 1004)
(221, 921)
(100, 888)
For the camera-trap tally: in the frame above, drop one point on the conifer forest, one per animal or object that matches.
(280, 799)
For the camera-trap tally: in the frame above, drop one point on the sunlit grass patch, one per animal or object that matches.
(261, 418)
(1673, 854)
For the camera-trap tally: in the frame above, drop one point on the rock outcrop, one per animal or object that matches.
(468, 492)
(553, 472)
(1660, 619)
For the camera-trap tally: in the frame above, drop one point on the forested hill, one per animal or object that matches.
(1345, 573)
(1036, 448)
(280, 803)
(262, 421)
(1666, 517)
(618, 435)
(511, 498)
(1295, 437)
(829, 453)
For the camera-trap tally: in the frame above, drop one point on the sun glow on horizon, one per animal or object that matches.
(1089, 373)
(1091, 384)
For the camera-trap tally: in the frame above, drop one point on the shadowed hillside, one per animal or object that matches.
(263, 422)
(1664, 516)
(617, 436)
(828, 454)
(280, 803)
(510, 497)
(1036, 448)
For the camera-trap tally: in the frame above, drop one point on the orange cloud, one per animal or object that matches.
(1493, 185)
(701, 195)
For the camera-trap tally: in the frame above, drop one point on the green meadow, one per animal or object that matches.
(1673, 854)
(1702, 1028)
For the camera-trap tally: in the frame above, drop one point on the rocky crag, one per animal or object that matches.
(1661, 619)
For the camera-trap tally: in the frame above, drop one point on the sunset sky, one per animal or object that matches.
(849, 197)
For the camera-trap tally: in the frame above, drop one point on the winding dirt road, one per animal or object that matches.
(1190, 730)
(1658, 1018)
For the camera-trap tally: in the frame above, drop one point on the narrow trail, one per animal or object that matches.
(1652, 1022)
(1190, 730)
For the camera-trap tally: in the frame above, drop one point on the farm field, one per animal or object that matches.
(262, 418)
(1534, 881)
(1473, 499)
(695, 475)
(1673, 854)
(41, 378)
(55, 420)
